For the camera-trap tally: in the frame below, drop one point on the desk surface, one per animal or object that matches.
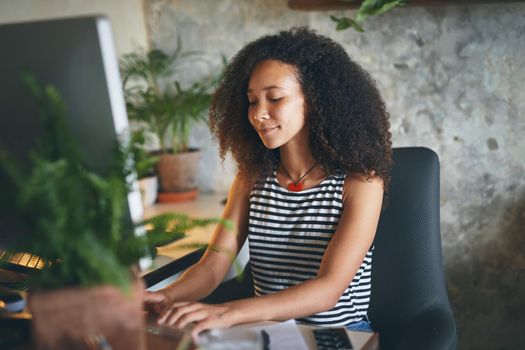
(168, 339)
(163, 338)
(360, 340)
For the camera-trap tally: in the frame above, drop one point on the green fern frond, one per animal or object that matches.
(375, 8)
(176, 222)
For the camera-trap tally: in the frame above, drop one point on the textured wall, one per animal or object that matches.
(453, 80)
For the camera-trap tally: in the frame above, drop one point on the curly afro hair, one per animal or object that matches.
(348, 123)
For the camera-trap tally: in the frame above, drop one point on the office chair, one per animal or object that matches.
(409, 305)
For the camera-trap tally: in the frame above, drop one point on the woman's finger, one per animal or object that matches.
(169, 308)
(191, 317)
(150, 298)
(174, 308)
(180, 312)
(183, 303)
(155, 301)
(159, 307)
(166, 313)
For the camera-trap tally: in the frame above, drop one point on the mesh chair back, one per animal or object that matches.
(407, 269)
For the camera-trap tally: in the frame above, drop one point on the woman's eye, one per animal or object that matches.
(275, 99)
(251, 103)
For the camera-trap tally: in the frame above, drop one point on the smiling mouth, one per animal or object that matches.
(266, 131)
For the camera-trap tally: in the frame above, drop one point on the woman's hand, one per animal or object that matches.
(156, 302)
(202, 316)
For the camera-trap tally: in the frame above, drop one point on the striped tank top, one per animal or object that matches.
(288, 233)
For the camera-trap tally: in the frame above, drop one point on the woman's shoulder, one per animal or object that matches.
(246, 183)
(243, 182)
(239, 192)
(361, 184)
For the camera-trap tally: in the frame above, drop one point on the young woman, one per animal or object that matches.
(310, 135)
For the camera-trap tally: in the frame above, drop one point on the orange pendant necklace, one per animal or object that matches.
(296, 186)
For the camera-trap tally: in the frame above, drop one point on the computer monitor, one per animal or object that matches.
(77, 56)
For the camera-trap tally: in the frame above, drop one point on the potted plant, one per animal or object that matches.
(168, 110)
(87, 294)
(144, 168)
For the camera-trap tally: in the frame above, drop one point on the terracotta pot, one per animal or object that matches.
(148, 190)
(178, 172)
(83, 318)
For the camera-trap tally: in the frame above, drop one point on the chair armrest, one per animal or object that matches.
(434, 328)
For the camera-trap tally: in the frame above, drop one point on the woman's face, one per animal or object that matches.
(276, 104)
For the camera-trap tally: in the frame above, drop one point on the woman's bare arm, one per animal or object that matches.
(202, 278)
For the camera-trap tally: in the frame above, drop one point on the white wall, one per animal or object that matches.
(126, 16)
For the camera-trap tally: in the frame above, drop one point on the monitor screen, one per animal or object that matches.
(77, 56)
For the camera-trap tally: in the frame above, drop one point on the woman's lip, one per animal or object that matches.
(266, 131)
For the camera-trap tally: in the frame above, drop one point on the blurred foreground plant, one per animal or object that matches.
(75, 218)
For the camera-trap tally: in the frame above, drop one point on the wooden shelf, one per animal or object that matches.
(328, 5)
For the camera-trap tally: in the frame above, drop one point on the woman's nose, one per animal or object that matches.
(261, 113)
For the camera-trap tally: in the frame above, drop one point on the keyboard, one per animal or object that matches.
(21, 262)
(332, 338)
(14, 268)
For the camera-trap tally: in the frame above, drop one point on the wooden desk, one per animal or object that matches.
(360, 340)
(164, 338)
(167, 338)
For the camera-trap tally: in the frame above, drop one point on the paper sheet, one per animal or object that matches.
(283, 336)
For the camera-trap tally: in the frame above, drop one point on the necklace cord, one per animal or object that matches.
(302, 177)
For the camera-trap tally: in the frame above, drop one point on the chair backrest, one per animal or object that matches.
(407, 269)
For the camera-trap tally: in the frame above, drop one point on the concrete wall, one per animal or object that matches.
(126, 16)
(453, 80)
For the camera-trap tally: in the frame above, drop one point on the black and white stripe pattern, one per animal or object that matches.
(288, 234)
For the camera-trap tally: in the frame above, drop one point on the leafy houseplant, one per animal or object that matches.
(144, 161)
(144, 168)
(75, 221)
(367, 9)
(167, 110)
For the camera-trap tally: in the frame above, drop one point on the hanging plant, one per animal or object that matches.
(367, 9)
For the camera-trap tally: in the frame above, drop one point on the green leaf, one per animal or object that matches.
(144, 162)
(375, 8)
(345, 23)
(176, 222)
(335, 19)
